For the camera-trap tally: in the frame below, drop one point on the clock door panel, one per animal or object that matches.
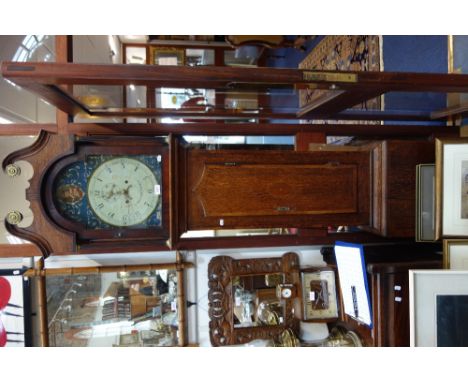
(234, 189)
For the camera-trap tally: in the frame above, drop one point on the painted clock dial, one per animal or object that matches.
(123, 192)
(106, 191)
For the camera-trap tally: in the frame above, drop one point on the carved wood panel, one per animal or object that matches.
(221, 271)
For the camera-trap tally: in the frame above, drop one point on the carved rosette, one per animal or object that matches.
(221, 271)
(220, 300)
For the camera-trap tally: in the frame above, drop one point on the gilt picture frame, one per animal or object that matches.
(451, 188)
(162, 55)
(455, 254)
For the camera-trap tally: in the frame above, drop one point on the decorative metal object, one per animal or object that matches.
(14, 217)
(13, 170)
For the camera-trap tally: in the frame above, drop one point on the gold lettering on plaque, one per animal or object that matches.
(329, 77)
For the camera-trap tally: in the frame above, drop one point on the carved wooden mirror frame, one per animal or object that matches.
(221, 272)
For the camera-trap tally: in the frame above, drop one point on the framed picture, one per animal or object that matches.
(161, 55)
(425, 202)
(319, 294)
(456, 254)
(451, 188)
(438, 308)
(15, 309)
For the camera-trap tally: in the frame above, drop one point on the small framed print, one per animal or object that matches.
(456, 254)
(451, 188)
(425, 202)
(319, 294)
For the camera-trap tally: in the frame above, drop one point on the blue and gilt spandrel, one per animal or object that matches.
(71, 191)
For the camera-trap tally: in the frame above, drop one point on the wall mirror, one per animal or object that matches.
(252, 298)
(137, 305)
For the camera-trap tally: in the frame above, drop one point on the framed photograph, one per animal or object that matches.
(425, 202)
(456, 254)
(438, 308)
(319, 294)
(451, 188)
(15, 309)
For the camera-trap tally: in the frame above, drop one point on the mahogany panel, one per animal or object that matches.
(395, 195)
(306, 186)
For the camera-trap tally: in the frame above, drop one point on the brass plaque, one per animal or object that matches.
(329, 77)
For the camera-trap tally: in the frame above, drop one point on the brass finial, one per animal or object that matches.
(13, 170)
(14, 217)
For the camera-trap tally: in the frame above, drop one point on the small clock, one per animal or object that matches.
(319, 294)
(285, 291)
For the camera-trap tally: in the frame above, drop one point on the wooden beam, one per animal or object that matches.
(203, 128)
(233, 114)
(26, 128)
(42, 297)
(236, 114)
(450, 111)
(63, 54)
(19, 250)
(333, 102)
(212, 76)
(313, 237)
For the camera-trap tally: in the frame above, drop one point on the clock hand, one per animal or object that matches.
(111, 193)
(126, 192)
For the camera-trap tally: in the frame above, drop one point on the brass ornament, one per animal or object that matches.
(13, 170)
(14, 217)
(329, 77)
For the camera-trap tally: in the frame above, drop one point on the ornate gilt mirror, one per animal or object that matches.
(252, 298)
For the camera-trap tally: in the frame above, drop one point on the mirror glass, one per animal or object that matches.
(136, 308)
(255, 301)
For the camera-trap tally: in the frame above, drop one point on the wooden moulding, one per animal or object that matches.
(47, 236)
(221, 271)
(42, 292)
(14, 129)
(203, 128)
(181, 303)
(117, 268)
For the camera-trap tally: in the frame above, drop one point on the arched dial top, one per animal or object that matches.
(123, 192)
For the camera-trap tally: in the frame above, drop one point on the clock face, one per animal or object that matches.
(123, 192)
(106, 191)
(286, 293)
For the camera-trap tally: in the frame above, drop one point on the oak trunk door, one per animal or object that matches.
(270, 188)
